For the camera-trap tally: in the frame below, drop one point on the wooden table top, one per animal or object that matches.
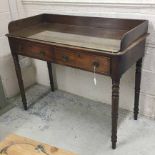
(104, 34)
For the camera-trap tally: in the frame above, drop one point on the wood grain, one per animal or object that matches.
(34, 50)
(17, 145)
(131, 34)
(125, 31)
(82, 60)
(137, 87)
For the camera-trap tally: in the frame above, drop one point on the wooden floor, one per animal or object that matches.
(17, 145)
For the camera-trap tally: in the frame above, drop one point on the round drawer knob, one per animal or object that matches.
(96, 64)
(42, 53)
(65, 58)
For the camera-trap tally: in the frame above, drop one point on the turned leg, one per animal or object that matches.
(137, 87)
(49, 65)
(115, 105)
(20, 80)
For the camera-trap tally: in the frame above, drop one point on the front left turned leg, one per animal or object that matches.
(115, 105)
(20, 80)
(137, 87)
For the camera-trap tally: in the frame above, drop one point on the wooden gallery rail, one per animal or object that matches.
(111, 46)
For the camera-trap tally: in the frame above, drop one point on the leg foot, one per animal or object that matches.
(25, 108)
(113, 145)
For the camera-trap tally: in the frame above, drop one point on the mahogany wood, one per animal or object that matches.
(137, 87)
(50, 71)
(34, 50)
(115, 105)
(81, 60)
(20, 79)
(131, 33)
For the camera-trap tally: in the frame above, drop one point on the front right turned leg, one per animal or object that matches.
(115, 106)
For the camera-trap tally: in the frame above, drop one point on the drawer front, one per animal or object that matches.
(65, 57)
(35, 50)
(82, 60)
(91, 62)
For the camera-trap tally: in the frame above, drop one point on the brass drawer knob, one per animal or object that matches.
(79, 55)
(65, 58)
(42, 53)
(96, 64)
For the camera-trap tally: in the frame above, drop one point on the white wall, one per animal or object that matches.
(81, 82)
(8, 12)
